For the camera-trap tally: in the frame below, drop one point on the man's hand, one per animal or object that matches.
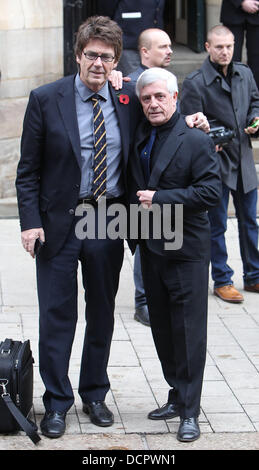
(145, 197)
(116, 79)
(198, 120)
(29, 237)
(252, 130)
(250, 6)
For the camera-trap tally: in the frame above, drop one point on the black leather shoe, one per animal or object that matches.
(142, 315)
(167, 411)
(53, 424)
(99, 414)
(252, 288)
(188, 430)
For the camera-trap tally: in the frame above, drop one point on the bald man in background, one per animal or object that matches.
(155, 50)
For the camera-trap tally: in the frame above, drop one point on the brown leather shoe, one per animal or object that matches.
(253, 288)
(228, 294)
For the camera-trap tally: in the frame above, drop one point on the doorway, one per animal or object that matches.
(188, 24)
(181, 23)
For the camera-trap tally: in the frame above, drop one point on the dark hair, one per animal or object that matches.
(102, 28)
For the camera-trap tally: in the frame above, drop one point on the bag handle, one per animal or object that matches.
(19, 417)
(6, 346)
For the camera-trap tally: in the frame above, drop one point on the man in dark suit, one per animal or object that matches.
(181, 169)
(226, 92)
(72, 127)
(242, 18)
(133, 16)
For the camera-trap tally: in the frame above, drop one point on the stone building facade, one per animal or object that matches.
(31, 53)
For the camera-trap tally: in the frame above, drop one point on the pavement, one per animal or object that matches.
(229, 417)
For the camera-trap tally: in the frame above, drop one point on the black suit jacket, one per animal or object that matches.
(232, 13)
(186, 172)
(152, 12)
(49, 171)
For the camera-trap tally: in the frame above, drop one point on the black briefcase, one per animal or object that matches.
(16, 388)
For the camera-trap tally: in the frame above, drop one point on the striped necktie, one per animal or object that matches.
(100, 157)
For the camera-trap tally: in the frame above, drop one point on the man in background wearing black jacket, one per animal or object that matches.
(133, 16)
(240, 17)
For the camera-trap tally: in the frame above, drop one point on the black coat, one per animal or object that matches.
(152, 12)
(185, 172)
(232, 13)
(206, 90)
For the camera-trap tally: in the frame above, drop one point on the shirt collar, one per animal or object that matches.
(211, 73)
(219, 68)
(86, 93)
(169, 124)
(164, 127)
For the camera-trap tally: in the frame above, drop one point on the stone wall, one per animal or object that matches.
(31, 54)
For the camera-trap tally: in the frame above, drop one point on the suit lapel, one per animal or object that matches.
(167, 152)
(137, 167)
(67, 107)
(123, 121)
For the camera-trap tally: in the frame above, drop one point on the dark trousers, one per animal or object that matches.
(101, 262)
(177, 297)
(140, 295)
(245, 206)
(251, 32)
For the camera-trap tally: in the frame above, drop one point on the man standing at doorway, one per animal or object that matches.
(133, 16)
(242, 18)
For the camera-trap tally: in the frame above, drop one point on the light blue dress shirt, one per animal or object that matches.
(84, 109)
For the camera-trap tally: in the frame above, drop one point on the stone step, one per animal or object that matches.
(185, 61)
(255, 144)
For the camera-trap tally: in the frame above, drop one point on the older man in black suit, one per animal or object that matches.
(179, 168)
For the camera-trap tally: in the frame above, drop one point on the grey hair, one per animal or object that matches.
(153, 74)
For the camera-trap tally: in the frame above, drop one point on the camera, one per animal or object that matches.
(221, 135)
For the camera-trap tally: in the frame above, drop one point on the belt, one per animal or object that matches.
(87, 200)
(94, 203)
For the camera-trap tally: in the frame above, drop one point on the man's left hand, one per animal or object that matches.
(252, 130)
(145, 197)
(198, 120)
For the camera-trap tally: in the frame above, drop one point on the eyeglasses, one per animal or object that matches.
(93, 56)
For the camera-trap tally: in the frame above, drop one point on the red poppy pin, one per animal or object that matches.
(124, 99)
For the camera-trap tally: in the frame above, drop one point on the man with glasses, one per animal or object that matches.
(74, 153)
(74, 150)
